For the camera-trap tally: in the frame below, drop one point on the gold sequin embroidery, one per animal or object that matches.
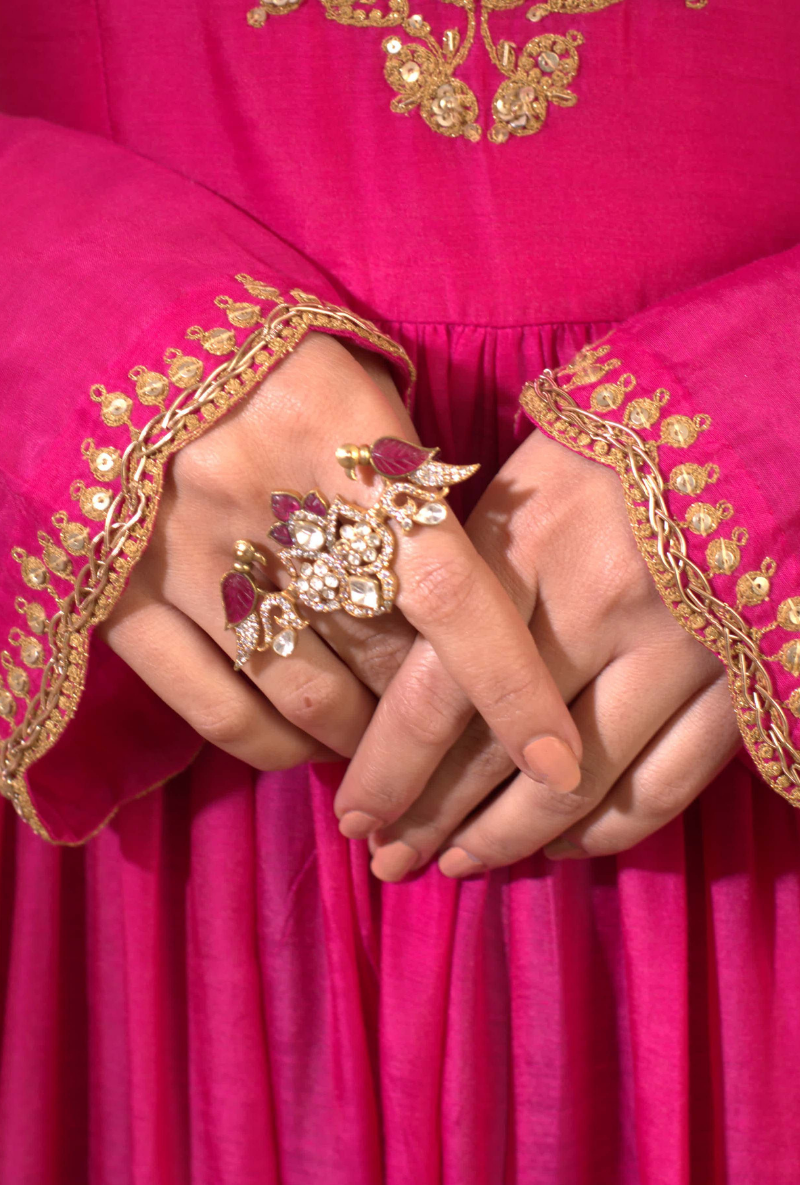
(683, 584)
(55, 645)
(421, 68)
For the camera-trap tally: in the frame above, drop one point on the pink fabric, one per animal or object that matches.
(213, 991)
(719, 352)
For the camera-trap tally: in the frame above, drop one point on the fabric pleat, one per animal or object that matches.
(214, 991)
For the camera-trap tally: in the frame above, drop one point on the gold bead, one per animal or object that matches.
(244, 551)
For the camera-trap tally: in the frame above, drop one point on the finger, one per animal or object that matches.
(678, 764)
(451, 596)
(314, 690)
(186, 670)
(617, 716)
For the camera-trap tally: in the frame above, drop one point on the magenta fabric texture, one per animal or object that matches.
(213, 991)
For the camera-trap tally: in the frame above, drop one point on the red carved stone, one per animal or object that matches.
(238, 596)
(314, 504)
(280, 533)
(397, 458)
(284, 506)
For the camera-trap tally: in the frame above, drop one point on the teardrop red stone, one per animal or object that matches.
(397, 458)
(280, 533)
(238, 597)
(314, 504)
(284, 506)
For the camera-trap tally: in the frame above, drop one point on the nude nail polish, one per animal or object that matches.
(456, 862)
(393, 861)
(358, 824)
(551, 761)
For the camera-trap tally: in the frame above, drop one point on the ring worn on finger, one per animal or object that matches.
(338, 554)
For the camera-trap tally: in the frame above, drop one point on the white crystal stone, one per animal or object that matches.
(320, 568)
(347, 532)
(369, 555)
(362, 529)
(302, 585)
(306, 569)
(360, 545)
(331, 581)
(328, 594)
(364, 591)
(308, 535)
(316, 583)
(373, 540)
(431, 514)
(283, 644)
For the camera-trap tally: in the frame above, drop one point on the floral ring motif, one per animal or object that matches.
(339, 555)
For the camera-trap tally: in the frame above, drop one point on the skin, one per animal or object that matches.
(567, 614)
(316, 706)
(651, 704)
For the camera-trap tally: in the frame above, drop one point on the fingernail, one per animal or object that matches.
(457, 862)
(393, 861)
(563, 849)
(358, 824)
(551, 761)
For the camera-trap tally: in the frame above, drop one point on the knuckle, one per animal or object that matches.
(378, 657)
(443, 586)
(421, 721)
(429, 713)
(223, 723)
(310, 700)
(663, 798)
(505, 690)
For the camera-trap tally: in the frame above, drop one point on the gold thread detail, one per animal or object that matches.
(422, 70)
(683, 585)
(128, 514)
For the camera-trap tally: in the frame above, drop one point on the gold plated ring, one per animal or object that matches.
(339, 555)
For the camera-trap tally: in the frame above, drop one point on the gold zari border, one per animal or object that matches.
(130, 516)
(683, 586)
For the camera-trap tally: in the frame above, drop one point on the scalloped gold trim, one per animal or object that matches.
(683, 586)
(127, 505)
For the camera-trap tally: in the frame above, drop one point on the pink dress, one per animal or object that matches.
(213, 990)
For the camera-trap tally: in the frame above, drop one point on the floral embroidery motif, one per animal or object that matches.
(684, 586)
(422, 71)
(121, 513)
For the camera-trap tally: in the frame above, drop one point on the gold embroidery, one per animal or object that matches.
(754, 587)
(643, 413)
(586, 368)
(692, 479)
(683, 585)
(609, 396)
(127, 512)
(115, 407)
(422, 72)
(723, 556)
(789, 614)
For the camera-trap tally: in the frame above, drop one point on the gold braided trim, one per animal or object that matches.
(684, 587)
(128, 509)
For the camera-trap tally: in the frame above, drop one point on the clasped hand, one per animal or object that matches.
(530, 689)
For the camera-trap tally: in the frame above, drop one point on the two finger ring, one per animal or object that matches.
(339, 555)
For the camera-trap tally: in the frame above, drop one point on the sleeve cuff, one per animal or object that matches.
(705, 551)
(69, 583)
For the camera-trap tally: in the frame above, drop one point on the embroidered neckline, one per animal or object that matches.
(422, 70)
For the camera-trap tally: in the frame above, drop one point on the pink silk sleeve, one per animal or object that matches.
(696, 403)
(131, 322)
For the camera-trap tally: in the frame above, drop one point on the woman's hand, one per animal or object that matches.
(169, 624)
(650, 703)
